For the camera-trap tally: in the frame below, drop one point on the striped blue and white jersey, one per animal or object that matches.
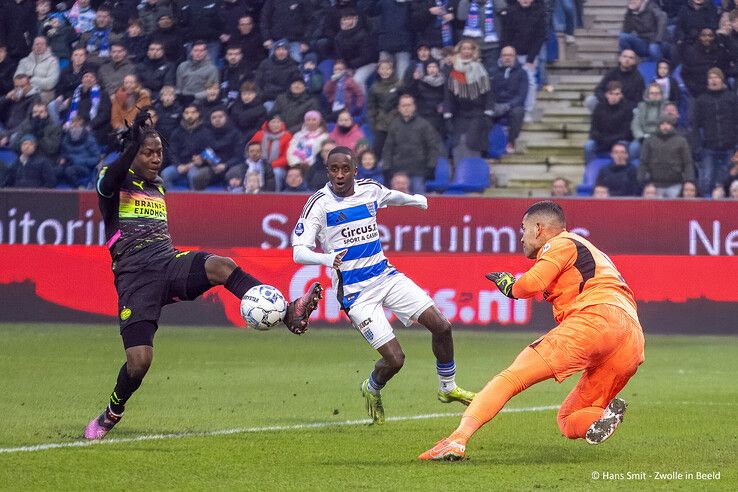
(349, 223)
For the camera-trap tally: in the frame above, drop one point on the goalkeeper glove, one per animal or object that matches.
(504, 281)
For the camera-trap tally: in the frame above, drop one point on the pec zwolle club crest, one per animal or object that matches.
(372, 209)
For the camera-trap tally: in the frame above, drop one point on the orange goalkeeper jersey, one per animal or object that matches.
(573, 274)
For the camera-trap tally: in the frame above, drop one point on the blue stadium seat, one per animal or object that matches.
(367, 129)
(648, 70)
(471, 175)
(497, 141)
(590, 175)
(442, 178)
(326, 68)
(7, 156)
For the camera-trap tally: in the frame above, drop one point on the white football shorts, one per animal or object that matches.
(397, 293)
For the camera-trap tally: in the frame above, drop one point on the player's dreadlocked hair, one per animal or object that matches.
(548, 208)
(138, 131)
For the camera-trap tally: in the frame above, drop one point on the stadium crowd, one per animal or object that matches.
(251, 95)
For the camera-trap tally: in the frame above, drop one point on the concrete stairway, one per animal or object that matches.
(552, 146)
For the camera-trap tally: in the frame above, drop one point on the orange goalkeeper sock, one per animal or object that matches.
(576, 424)
(527, 369)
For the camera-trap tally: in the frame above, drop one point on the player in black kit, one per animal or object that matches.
(149, 271)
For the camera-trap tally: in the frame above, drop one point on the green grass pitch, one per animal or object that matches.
(682, 419)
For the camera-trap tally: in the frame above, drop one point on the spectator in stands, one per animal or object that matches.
(646, 118)
(7, 69)
(188, 144)
(698, 58)
(30, 170)
(79, 155)
(346, 132)
(169, 35)
(43, 19)
(135, 41)
(100, 38)
(693, 17)
(305, 144)
(169, 111)
(149, 12)
(230, 11)
(427, 87)
(155, 71)
(342, 92)
(600, 191)
(732, 173)
(733, 190)
(610, 122)
(689, 190)
(275, 141)
(18, 21)
(81, 16)
(393, 33)
(276, 73)
(47, 134)
(356, 46)
(287, 20)
(467, 97)
(369, 167)
(487, 35)
(248, 112)
(92, 103)
(416, 69)
(643, 29)
(195, 75)
(15, 105)
(669, 85)
(71, 76)
(227, 146)
(201, 23)
(560, 187)
(525, 29)
(293, 104)
(211, 101)
(631, 81)
(381, 107)
(729, 39)
(412, 146)
(312, 76)
(126, 102)
(316, 176)
(433, 22)
(122, 11)
(235, 72)
(666, 160)
(294, 181)
(112, 73)
(42, 67)
(716, 120)
(400, 182)
(620, 177)
(253, 164)
(509, 86)
(61, 35)
(249, 39)
(649, 191)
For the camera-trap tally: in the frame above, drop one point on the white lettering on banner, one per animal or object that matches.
(711, 244)
(50, 230)
(490, 307)
(282, 236)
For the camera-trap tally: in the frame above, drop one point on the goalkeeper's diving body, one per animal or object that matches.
(598, 333)
(342, 217)
(149, 272)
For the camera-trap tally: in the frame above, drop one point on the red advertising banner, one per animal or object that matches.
(675, 294)
(450, 225)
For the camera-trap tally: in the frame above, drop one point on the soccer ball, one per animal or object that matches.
(263, 306)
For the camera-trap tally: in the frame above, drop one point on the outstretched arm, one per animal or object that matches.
(399, 198)
(529, 284)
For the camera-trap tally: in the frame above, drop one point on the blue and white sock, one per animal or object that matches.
(374, 387)
(446, 375)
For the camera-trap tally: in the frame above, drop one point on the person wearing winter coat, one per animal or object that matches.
(31, 169)
(311, 75)
(111, 74)
(510, 87)
(305, 144)
(346, 133)
(227, 145)
(427, 88)
(666, 160)
(61, 35)
(170, 37)
(693, 17)
(643, 29)
(474, 15)
(234, 73)
(92, 103)
(629, 77)
(254, 163)
(275, 141)
(646, 118)
(15, 105)
(188, 145)
(369, 167)
(149, 12)
(293, 104)
(169, 112)
(79, 155)
(620, 177)
(248, 112)
(433, 22)
(42, 67)
(155, 71)
(356, 46)
(394, 34)
(127, 101)
(669, 85)
(47, 133)
(249, 39)
(610, 122)
(276, 73)
(342, 92)
(195, 75)
(381, 107)
(698, 58)
(287, 20)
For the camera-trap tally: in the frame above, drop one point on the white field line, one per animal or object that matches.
(247, 430)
